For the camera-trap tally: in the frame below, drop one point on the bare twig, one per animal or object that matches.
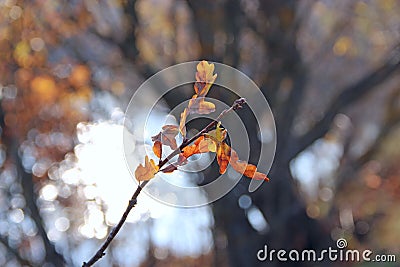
(238, 104)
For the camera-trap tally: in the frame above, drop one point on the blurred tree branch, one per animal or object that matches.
(28, 187)
(348, 96)
(205, 28)
(31, 197)
(14, 252)
(391, 121)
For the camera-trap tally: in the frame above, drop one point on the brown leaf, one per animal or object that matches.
(146, 172)
(167, 136)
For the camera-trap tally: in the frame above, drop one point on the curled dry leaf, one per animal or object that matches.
(223, 150)
(200, 145)
(192, 149)
(218, 134)
(246, 169)
(146, 172)
(223, 156)
(165, 137)
(169, 133)
(157, 149)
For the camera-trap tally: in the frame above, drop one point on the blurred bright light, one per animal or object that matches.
(245, 201)
(101, 169)
(16, 215)
(257, 219)
(49, 192)
(316, 163)
(62, 224)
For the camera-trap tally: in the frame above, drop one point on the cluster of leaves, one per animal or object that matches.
(207, 140)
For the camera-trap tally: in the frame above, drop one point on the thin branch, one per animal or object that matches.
(132, 202)
(238, 104)
(344, 99)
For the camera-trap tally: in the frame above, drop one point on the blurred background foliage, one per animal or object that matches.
(330, 70)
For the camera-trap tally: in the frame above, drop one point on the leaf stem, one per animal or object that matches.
(238, 104)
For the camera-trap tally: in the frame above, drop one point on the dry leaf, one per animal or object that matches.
(223, 156)
(197, 104)
(192, 149)
(200, 106)
(227, 155)
(204, 78)
(182, 122)
(207, 145)
(146, 172)
(218, 135)
(246, 169)
(167, 136)
(157, 149)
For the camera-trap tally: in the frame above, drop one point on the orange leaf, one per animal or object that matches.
(259, 176)
(204, 78)
(246, 169)
(192, 149)
(157, 148)
(223, 156)
(200, 145)
(146, 172)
